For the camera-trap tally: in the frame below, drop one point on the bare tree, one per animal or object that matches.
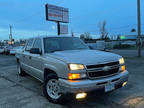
(102, 28)
(87, 35)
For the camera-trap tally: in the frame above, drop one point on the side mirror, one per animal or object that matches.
(35, 51)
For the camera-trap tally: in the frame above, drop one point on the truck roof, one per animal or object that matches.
(45, 36)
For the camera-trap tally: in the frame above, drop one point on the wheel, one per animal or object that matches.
(51, 89)
(20, 71)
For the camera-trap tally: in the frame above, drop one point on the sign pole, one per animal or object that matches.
(10, 34)
(58, 28)
(139, 28)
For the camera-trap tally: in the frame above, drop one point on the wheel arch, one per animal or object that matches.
(48, 71)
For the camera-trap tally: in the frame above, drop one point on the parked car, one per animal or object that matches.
(131, 43)
(1, 50)
(19, 51)
(97, 46)
(7, 49)
(15, 50)
(67, 66)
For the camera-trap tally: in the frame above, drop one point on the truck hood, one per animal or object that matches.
(85, 56)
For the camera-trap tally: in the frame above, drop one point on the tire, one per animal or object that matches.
(20, 71)
(51, 89)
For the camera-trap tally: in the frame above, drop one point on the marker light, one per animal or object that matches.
(123, 68)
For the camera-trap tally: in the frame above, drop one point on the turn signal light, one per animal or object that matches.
(123, 68)
(73, 76)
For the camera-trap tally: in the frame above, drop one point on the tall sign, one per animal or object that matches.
(63, 29)
(57, 14)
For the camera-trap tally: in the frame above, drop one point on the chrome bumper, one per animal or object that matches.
(92, 85)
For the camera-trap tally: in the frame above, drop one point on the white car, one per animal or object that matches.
(16, 50)
(1, 50)
(129, 43)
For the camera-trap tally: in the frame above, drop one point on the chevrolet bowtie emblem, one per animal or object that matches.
(106, 68)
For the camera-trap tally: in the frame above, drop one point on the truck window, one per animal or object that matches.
(38, 44)
(29, 45)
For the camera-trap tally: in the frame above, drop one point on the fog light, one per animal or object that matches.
(125, 83)
(81, 95)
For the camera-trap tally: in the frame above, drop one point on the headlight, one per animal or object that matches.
(76, 67)
(121, 61)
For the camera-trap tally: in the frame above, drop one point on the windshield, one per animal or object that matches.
(53, 44)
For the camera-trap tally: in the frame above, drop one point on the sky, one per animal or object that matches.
(27, 17)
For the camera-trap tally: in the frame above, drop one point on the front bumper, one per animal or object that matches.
(88, 85)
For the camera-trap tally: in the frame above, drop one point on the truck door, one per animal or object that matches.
(35, 60)
(24, 59)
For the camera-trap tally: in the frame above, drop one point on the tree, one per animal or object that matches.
(102, 28)
(87, 35)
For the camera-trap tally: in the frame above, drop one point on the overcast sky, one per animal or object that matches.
(28, 16)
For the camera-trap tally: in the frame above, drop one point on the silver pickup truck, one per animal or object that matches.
(67, 66)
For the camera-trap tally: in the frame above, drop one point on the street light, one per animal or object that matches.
(139, 27)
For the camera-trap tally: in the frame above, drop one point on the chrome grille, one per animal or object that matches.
(103, 70)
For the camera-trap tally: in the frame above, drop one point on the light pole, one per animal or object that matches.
(139, 27)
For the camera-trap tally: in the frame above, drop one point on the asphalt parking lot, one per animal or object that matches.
(26, 92)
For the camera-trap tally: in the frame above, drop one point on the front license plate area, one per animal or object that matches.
(109, 87)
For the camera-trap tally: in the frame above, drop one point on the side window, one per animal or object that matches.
(38, 44)
(29, 45)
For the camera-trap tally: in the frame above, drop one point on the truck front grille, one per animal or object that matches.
(102, 70)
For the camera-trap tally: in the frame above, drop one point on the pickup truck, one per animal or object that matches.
(65, 65)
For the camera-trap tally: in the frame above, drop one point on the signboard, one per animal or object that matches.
(56, 13)
(63, 29)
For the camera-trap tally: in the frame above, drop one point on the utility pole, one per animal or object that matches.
(58, 28)
(10, 35)
(139, 27)
(72, 33)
